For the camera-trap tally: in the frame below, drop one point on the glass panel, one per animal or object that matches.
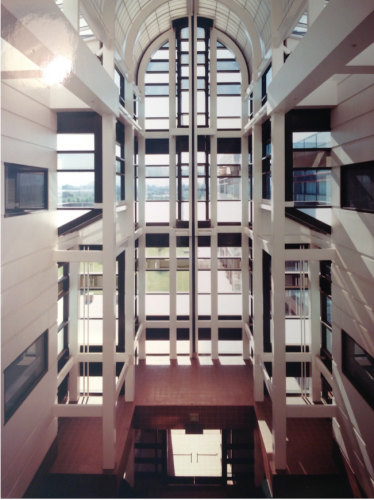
(229, 263)
(227, 65)
(183, 304)
(60, 341)
(228, 89)
(75, 142)
(229, 159)
(228, 188)
(157, 264)
(229, 123)
(60, 311)
(183, 281)
(158, 66)
(156, 90)
(229, 281)
(229, 77)
(157, 189)
(157, 252)
(156, 211)
(156, 160)
(230, 305)
(156, 78)
(157, 171)
(311, 159)
(157, 281)
(157, 304)
(229, 211)
(229, 106)
(85, 161)
(232, 170)
(75, 189)
(157, 124)
(204, 305)
(302, 140)
(22, 375)
(157, 107)
(312, 186)
(204, 281)
(294, 303)
(118, 187)
(225, 54)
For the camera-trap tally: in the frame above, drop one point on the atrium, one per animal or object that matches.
(187, 248)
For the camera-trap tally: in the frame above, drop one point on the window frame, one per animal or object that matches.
(24, 168)
(8, 413)
(344, 169)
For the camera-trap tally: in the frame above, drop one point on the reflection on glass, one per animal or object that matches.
(228, 188)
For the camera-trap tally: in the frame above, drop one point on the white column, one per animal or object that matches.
(258, 322)
(245, 248)
(172, 83)
(141, 242)
(142, 290)
(129, 253)
(315, 7)
(173, 293)
(73, 330)
(278, 332)
(315, 326)
(109, 293)
(213, 79)
(71, 11)
(214, 292)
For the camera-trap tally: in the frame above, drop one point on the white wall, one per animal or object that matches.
(353, 271)
(29, 287)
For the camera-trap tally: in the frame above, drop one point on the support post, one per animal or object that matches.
(278, 330)
(315, 327)
(71, 11)
(109, 293)
(73, 330)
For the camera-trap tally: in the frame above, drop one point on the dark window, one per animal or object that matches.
(63, 315)
(21, 376)
(26, 189)
(265, 82)
(358, 366)
(119, 80)
(357, 186)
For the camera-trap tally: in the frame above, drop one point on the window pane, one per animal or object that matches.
(230, 305)
(75, 142)
(229, 211)
(75, 189)
(229, 281)
(156, 160)
(228, 188)
(157, 281)
(157, 189)
(204, 281)
(229, 106)
(157, 305)
(84, 161)
(183, 283)
(60, 311)
(21, 376)
(157, 107)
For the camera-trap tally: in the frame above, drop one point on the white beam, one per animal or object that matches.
(78, 256)
(339, 34)
(311, 254)
(77, 410)
(311, 411)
